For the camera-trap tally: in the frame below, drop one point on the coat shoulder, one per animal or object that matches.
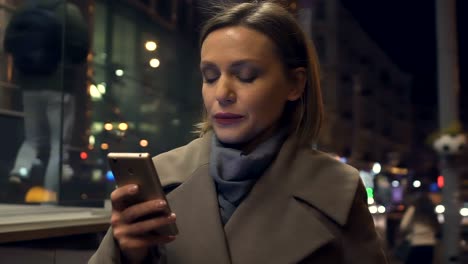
(177, 165)
(326, 183)
(324, 168)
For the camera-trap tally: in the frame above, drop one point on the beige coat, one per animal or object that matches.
(306, 208)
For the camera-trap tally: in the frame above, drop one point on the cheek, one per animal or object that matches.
(206, 97)
(267, 107)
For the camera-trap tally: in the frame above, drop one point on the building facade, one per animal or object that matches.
(366, 96)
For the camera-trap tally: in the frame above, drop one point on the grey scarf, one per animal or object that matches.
(235, 173)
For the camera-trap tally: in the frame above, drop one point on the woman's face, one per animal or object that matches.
(245, 87)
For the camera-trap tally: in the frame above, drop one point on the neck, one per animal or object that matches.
(250, 145)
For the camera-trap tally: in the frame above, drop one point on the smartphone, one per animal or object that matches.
(138, 168)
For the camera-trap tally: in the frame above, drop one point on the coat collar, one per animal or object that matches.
(176, 166)
(282, 213)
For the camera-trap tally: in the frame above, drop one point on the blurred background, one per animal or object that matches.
(386, 94)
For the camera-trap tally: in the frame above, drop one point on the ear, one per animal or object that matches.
(298, 82)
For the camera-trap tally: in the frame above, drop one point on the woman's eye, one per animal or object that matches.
(210, 76)
(247, 75)
(247, 79)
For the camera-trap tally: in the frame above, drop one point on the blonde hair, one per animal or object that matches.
(304, 116)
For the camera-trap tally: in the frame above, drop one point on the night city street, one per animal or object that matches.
(288, 131)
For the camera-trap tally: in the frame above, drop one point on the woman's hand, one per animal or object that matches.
(135, 236)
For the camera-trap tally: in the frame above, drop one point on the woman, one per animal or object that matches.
(421, 226)
(251, 189)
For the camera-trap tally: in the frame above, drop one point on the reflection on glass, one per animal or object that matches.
(144, 143)
(151, 45)
(119, 98)
(47, 67)
(154, 63)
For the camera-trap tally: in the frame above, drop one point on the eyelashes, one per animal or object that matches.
(210, 75)
(247, 75)
(243, 74)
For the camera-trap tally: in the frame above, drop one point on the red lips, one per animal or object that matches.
(227, 118)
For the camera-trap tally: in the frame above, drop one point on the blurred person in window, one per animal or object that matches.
(47, 39)
(420, 226)
(251, 189)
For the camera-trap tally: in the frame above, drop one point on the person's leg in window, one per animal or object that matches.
(68, 123)
(35, 135)
(55, 168)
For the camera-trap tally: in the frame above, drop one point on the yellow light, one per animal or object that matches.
(144, 143)
(151, 45)
(94, 92)
(38, 194)
(123, 126)
(91, 140)
(154, 63)
(400, 171)
(101, 88)
(108, 126)
(104, 146)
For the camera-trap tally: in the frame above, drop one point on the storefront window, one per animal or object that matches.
(136, 90)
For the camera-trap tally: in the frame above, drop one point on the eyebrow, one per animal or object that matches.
(204, 64)
(235, 64)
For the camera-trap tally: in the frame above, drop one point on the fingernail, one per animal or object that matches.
(133, 189)
(172, 216)
(161, 203)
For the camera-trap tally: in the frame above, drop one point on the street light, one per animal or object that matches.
(416, 184)
(377, 168)
(119, 72)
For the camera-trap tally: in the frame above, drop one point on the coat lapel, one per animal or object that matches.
(294, 208)
(201, 236)
(259, 232)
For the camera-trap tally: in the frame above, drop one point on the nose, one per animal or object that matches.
(225, 93)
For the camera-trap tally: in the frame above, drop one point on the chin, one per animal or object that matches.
(230, 137)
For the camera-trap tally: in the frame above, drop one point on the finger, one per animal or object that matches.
(146, 226)
(136, 211)
(121, 195)
(129, 243)
(116, 218)
(147, 210)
